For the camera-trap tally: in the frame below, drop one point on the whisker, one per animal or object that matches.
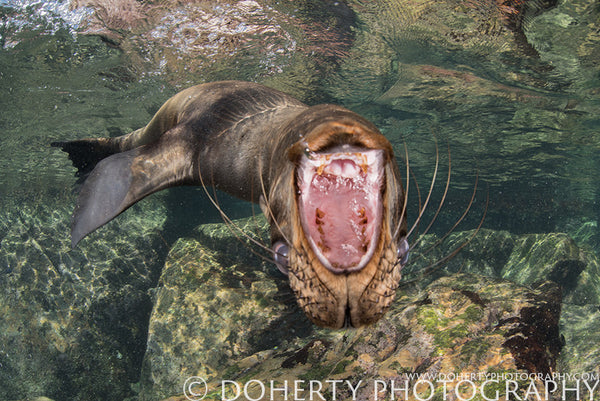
(439, 208)
(257, 229)
(422, 210)
(429, 268)
(419, 198)
(435, 265)
(272, 215)
(440, 240)
(234, 227)
(410, 174)
(405, 205)
(268, 205)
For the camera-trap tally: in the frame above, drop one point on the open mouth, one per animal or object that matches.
(340, 204)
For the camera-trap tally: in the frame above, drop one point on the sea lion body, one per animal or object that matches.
(264, 146)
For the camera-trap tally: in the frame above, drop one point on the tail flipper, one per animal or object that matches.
(103, 195)
(86, 153)
(122, 179)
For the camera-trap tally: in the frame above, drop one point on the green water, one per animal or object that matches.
(55, 88)
(516, 113)
(527, 125)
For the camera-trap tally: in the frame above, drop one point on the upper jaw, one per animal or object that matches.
(340, 204)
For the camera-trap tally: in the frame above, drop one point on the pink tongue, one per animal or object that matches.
(340, 213)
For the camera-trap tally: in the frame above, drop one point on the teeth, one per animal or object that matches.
(333, 168)
(353, 165)
(342, 168)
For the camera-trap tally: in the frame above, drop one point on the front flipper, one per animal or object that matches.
(120, 180)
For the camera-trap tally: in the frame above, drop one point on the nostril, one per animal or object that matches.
(403, 252)
(280, 256)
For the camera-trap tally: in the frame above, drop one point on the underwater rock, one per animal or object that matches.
(234, 240)
(407, 46)
(484, 253)
(217, 317)
(580, 326)
(568, 38)
(73, 322)
(211, 308)
(524, 259)
(555, 257)
(585, 233)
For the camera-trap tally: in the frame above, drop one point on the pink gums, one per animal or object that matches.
(341, 206)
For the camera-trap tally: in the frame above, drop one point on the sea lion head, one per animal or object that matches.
(338, 225)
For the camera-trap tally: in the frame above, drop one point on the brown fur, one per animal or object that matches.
(247, 139)
(327, 298)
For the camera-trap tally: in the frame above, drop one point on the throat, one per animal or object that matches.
(340, 205)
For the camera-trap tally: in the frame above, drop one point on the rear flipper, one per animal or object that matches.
(86, 153)
(122, 179)
(103, 195)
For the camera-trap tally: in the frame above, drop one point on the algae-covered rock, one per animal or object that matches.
(524, 259)
(484, 252)
(240, 322)
(209, 312)
(221, 313)
(555, 257)
(580, 326)
(459, 324)
(73, 322)
(567, 37)
(584, 233)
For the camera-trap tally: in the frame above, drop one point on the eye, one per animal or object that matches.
(281, 251)
(403, 252)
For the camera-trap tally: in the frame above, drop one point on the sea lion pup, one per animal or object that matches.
(325, 178)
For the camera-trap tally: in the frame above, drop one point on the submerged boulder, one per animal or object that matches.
(556, 257)
(217, 317)
(73, 322)
(529, 259)
(524, 259)
(79, 323)
(581, 328)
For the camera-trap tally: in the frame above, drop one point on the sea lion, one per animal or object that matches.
(325, 178)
